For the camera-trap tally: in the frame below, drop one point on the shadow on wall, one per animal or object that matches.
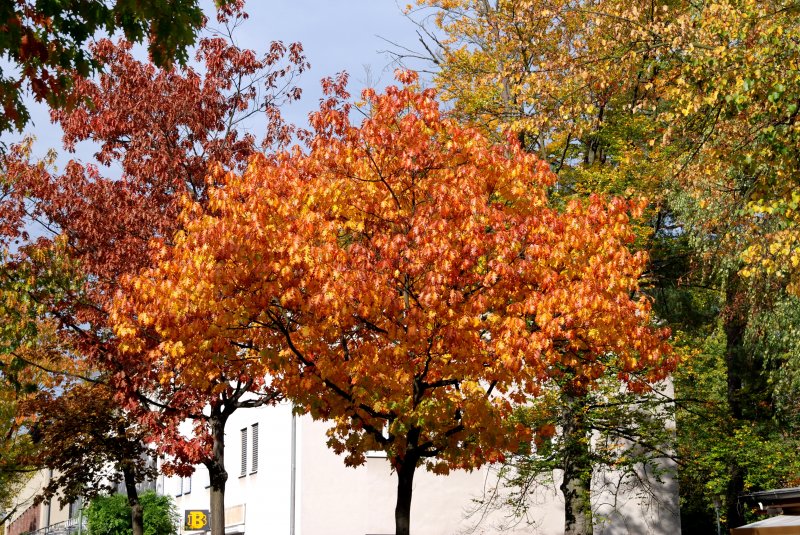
(631, 503)
(638, 503)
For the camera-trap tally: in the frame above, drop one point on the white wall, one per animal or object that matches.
(332, 499)
(264, 493)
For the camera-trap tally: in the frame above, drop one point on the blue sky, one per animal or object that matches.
(336, 35)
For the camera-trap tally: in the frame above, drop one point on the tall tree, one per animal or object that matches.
(571, 81)
(689, 103)
(732, 119)
(166, 128)
(407, 280)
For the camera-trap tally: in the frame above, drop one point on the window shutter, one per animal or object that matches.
(244, 453)
(254, 466)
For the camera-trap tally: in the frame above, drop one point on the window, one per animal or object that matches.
(75, 508)
(254, 453)
(187, 485)
(379, 453)
(243, 471)
(205, 480)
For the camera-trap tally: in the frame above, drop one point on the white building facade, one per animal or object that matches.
(282, 479)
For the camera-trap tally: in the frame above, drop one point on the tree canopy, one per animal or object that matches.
(166, 128)
(406, 279)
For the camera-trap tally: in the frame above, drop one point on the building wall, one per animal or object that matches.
(331, 499)
(25, 497)
(46, 513)
(27, 521)
(337, 500)
(265, 492)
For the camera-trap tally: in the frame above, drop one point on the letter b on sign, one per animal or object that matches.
(195, 520)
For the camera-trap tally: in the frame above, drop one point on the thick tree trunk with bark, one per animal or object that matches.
(735, 325)
(737, 368)
(577, 467)
(217, 474)
(405, 486)
(137, 514)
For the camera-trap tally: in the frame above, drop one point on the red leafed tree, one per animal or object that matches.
(166, 129)
(404, 278)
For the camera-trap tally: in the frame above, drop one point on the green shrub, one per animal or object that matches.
(160, 515)
(111, 515)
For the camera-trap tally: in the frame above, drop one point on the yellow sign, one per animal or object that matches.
(195, 519)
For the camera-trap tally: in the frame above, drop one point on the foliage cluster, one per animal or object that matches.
(45, 42)
(405, 274)
(110, 515)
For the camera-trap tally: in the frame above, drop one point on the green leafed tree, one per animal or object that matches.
(691, 104)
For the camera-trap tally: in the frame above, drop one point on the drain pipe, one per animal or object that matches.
(293, 475)
(49, 502)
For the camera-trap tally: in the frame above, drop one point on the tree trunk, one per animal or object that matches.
(734, 515)
(217, 475)
(405, 481)
(137, 515)
(735, 325)
(737, 369)
(577, 483)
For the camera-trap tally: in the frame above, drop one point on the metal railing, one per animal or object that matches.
(73, 526)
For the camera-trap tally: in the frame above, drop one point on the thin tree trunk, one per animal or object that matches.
(217, 475)
(137, 514)
(405, 486)
(577, 483)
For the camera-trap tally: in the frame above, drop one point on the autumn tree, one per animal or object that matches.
(738, 147)
(54, 416)
(688, 103)
(574, 83)
(165, 128)
(731, 129)
(741, 109)
(57, 413)
(46, 43)
(406, 280)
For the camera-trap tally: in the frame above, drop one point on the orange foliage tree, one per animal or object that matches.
(404, 278)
